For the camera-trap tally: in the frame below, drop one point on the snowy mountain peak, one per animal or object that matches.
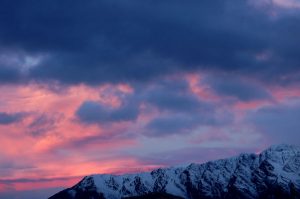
(274, 173)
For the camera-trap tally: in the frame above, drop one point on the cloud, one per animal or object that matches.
(95, 112)
(116, 41)
(10, 164)
(165, 95)
(174, 109)
(8, 75)
(238, 88)
(32, 194)
(172, 95)
(184, 124)
(289, 4)
(9, 118)
(149, 47)
(178, 124)
(43, 123)
(30, 180)
(163, 126)
(196, 154)
(278, 122)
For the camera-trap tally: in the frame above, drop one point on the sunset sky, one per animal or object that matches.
(116, 86)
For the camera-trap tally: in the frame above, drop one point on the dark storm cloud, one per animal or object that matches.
(279, 122)
(95, 112)
(98, 41)
(238, 88)
(9, 118)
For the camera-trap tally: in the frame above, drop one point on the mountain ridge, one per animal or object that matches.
(274, 173)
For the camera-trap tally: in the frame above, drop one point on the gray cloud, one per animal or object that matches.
(170, 125)
(9, 118)
(183, 124)
(238, 88)
(173, 95)
(95, 112)
(279, 122)
(43, 123)
(32, 194)
(193, 155)
(9, 75)
(181, 111)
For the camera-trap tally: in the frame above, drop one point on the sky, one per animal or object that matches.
(114, 86)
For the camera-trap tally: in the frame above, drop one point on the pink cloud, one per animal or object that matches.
(68, 148)
(201, 90)
(295, 4)
(52, 154)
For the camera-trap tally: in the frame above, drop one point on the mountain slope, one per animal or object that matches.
(275, 173)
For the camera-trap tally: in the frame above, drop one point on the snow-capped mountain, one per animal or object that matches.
(275, 173)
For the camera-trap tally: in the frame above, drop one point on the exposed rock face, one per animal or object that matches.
(273, 174)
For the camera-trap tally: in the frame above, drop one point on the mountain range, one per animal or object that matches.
(272, 174)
